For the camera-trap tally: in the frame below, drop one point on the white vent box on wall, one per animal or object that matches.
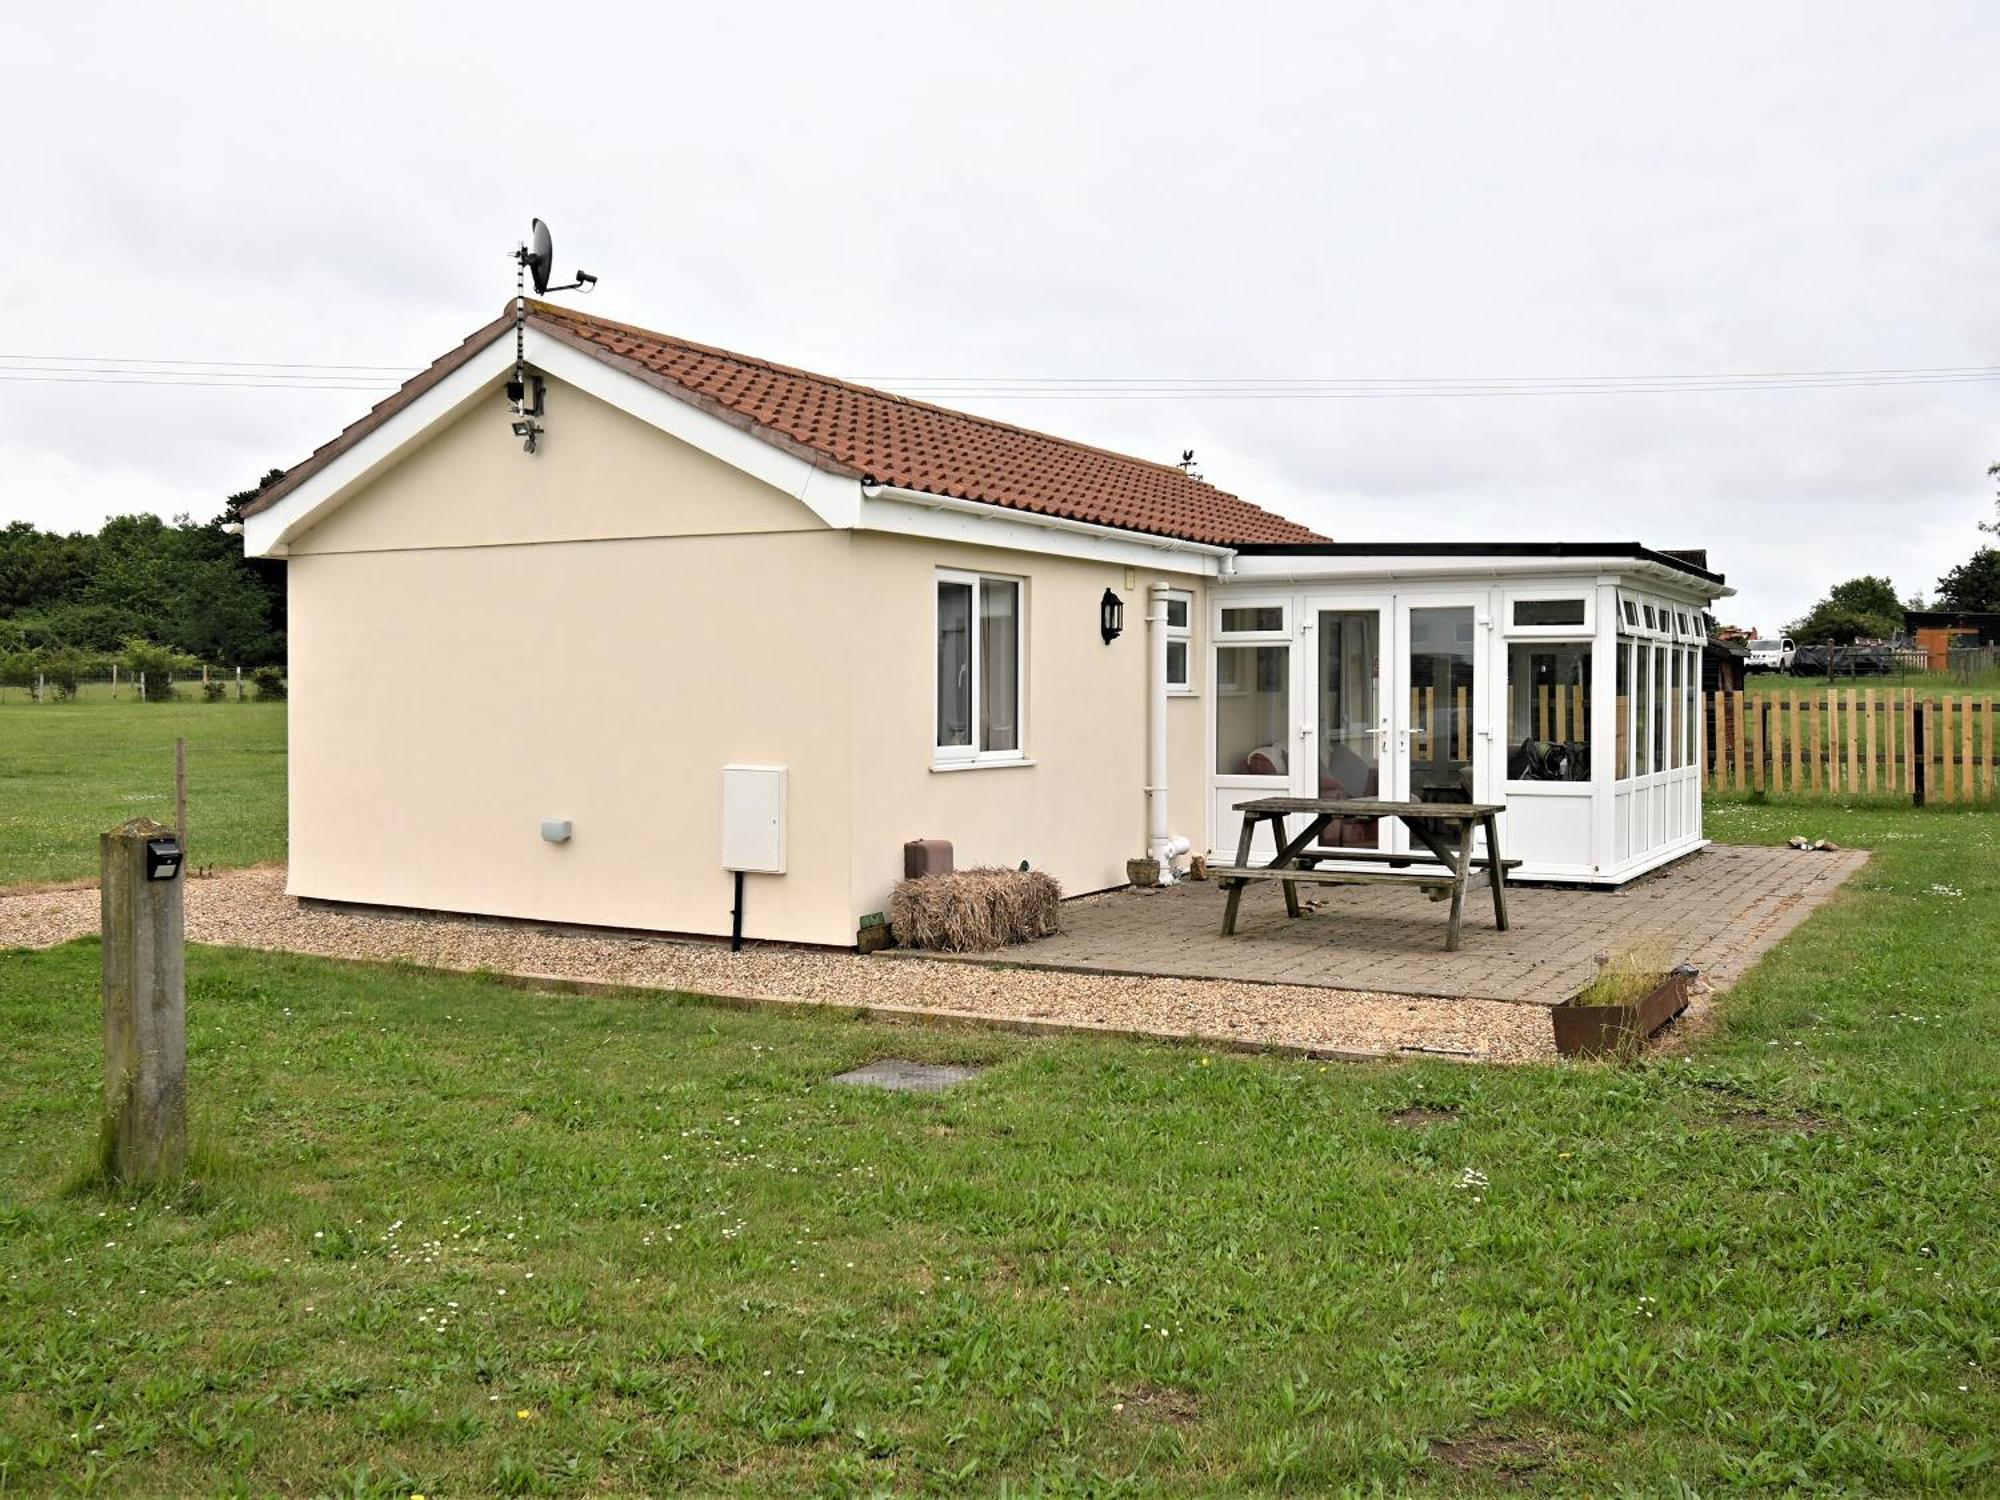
(753, 819)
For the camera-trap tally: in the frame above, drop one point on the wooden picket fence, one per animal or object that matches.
(1849, 742)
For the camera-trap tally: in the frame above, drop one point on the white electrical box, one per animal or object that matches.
(753, 819)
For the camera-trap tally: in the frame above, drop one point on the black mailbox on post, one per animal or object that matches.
(163, 858)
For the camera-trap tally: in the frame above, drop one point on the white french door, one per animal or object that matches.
(1352, 695)
(1347, 728)
(1438, 692)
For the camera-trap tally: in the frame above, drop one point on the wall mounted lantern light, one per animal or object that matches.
(1111, 617)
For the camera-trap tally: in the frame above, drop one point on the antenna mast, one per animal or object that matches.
(533, 257)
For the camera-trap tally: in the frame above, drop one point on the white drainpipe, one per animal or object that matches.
(1161, 847)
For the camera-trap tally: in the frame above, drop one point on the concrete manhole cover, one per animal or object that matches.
(907, 1077)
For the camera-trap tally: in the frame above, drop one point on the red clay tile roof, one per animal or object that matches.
(887, 439)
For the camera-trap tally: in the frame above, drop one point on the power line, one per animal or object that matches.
(1400, 387)
(1361, 393)
(1430, 379)
(243, 384)
(215, 364)
(63, 369)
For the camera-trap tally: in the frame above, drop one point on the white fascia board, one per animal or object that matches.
(1268, 568)
(835, 499)
(916, 513)
(266, 533)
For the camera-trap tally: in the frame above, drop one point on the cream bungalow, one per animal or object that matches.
(736, 626)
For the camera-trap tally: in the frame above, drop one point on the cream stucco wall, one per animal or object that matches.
(600, 474)
(468, 656)
(1079, 809)
(481, 639)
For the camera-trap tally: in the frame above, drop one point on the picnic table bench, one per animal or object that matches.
(1445, 829)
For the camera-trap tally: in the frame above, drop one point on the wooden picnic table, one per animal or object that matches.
(1445, 829)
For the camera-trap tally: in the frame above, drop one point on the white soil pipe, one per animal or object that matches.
(1159, 844)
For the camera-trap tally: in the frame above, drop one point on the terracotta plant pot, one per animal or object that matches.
(1602, 1030)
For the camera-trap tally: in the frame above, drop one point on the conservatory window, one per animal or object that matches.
(1659, 655)
(1253, 710)
(1548, 711)
(1675, 758)
(1624, 715)
(1532, 614)
(1691, 718)
(1642, 705)
(1253, 619)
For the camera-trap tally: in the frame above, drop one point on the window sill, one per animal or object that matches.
(983, 765)
(1182, 692)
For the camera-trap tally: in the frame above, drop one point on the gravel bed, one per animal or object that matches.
(249, 909)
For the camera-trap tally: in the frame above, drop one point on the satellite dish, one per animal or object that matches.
(538, 256)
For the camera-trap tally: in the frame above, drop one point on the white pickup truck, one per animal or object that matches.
(1772, 656)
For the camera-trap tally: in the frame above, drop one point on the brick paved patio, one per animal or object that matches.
(1720, 910)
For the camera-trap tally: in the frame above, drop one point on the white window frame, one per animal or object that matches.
(1587, 647)
(1640, 604)
(1282, 604)
(1586, 629)
(959, 757)
(1185, 635)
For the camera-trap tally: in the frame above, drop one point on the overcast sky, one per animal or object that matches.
(1203, 191)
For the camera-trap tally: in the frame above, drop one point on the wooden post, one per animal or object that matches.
(1993, 749)
(181, 793)
(239, 684)
(1869, 711)
(1799, 747)
(1905, 777)
(114, 681)
(39, 687)
(1736, 725)
(1853, 717)
(142, 687)
(1760, 748)
(145, 1008)
(1941, 785)
(1815, 712)
(1968, 775)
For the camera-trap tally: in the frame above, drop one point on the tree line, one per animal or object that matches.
(138, 589)
(1868, 609)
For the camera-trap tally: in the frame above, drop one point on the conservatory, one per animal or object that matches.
(1562, 681)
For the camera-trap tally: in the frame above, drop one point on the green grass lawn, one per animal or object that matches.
(453, 1238)
(68, 771)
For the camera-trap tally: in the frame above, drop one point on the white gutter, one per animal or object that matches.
(1283, 568)
(988, 511)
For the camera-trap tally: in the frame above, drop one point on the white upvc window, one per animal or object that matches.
(1554, 613)
(1241, 618)
(1180, 643)
(981, 633)
(1647, 618)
